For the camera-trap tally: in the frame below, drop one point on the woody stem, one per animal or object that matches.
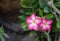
(48, 37)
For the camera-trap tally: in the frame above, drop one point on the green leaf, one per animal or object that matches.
(58, 24)
(37, 39)
(1, 30)
(22, 17)
(25, 4)
(2, 38)
(29, 3)
(2, 33)
(22, 11)
(40, 12)
(32, 33)
(28, 13)
(49, 16)
(57, 3)
(41, 4)
(46, 9)
(54, 26)
(24, 26)
(59, 17)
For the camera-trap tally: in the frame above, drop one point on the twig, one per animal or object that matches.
(53, 6)
(48, 37)
(54, 12)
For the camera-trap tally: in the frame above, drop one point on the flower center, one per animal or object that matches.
(34, 21)
(45, 24)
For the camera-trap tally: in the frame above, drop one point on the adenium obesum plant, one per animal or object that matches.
(34, 22)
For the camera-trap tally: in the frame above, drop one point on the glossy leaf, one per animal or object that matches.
(22, 11)
(40, 12)
(49, 16)
(58, 24)
(22, 17)
(24, 25)
(46, 9)
(41, 4)
(32, 33)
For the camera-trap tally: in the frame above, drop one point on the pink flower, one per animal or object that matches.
(45, 25)
(32, 22)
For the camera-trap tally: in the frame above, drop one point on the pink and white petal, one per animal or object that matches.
(35, 27)
(43, 29)
(40, 25)
(38, 21)
(33, 16)
(43, 20)
(48, 27)
(28, 20)
(30, 27)
(49, 21)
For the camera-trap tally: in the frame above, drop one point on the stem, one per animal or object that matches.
(55, 9)
(53, 6)
(55, 15)
(48, 37)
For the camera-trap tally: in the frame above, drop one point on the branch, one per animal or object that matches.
(48, 37)
(55, 15)
(53, 6)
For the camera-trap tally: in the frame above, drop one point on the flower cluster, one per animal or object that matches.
(35, 22)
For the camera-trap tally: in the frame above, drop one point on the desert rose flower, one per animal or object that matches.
(32, 22)
(45, 25)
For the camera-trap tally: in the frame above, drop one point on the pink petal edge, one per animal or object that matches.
(49, 21)
(33, 16)
(28, 20)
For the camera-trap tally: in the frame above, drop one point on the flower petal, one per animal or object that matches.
(38, 20)
(40, 25)
(28, 20)
(35, 27)
(30, 27)
(43, 20)
(49, 21)
(43, 28)
(48, 27)
(33, 16)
